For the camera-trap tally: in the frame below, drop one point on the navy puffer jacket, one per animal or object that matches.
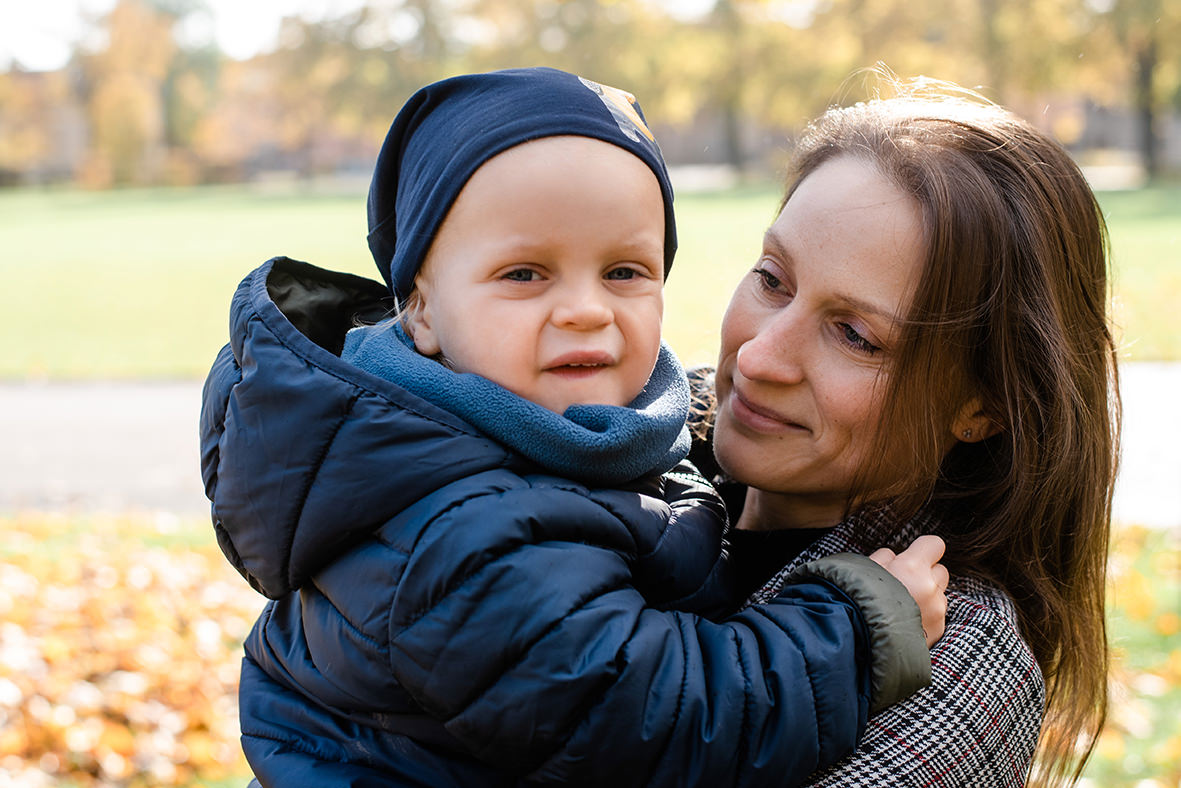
(445, 613)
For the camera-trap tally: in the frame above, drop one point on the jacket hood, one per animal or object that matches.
(303, 454)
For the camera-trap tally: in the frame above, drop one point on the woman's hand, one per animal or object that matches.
(918, 568)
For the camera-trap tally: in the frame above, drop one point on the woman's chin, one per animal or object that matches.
(746, 457)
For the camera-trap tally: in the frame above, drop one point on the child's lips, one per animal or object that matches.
(579, 363)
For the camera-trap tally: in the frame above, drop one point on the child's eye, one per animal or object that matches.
(856, 341)
(622, 273)
(522, 275)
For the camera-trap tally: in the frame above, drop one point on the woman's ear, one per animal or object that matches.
(972, 424)
(416, 319)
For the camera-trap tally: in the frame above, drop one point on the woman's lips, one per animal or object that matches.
(760, 418)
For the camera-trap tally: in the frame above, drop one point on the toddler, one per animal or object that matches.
(483, 548)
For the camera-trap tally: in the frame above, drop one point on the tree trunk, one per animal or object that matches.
(995, 54)
(726, 15)
(1146, 62)
(732, 134)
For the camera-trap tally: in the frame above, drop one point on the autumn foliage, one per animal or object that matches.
(145, 99)
(119, 659)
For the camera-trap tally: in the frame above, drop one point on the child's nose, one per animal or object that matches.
(582, 306)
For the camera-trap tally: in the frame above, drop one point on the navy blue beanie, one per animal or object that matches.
(448, 129)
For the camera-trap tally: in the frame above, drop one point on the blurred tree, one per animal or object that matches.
(1012, 49)
(31, 109)
(702, 70)
(726, 88)
(735, 75)
(125, 102)
(342, 79)
(603, 40)
(1146, 34)
(240, 122)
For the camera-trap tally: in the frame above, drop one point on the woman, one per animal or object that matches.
(922, 346)
(987, 414)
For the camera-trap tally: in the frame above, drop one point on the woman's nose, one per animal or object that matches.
(777, 353)
(582, 306)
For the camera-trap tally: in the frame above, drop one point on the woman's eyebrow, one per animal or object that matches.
(862, 305)
(859, 304)
(769, 240)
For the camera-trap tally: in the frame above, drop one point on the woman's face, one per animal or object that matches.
(808, 337)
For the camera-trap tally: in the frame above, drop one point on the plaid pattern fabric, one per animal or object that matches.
(977, 724)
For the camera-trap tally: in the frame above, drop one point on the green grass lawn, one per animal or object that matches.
(136, 283)
(1145, 229)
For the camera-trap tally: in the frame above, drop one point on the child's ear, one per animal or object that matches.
(416, 317)
(972, 424)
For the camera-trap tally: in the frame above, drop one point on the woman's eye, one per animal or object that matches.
(620, 274)
(767, 279)
(856, 341)
(522, 275)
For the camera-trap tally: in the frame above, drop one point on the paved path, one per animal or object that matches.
(1148, 490)
(109, 447)
(117, 447)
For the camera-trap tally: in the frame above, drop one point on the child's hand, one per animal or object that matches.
(918, 568)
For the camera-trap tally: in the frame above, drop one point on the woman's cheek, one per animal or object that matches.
(736, 322)
(854, 407)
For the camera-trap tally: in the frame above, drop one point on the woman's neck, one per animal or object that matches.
(767, 511)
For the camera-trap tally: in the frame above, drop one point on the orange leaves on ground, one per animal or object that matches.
(1142, 739)
(118, 660)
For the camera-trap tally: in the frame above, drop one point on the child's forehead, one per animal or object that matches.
(572, 168)
(564, 145)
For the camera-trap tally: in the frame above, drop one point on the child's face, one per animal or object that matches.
(547, 275)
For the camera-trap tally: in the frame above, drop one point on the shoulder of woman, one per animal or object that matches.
(983, 648)
(977, 602)
(985, 701)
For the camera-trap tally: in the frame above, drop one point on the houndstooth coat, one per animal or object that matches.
(977, 724)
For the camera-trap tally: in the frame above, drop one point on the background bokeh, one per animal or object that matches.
(152, 152)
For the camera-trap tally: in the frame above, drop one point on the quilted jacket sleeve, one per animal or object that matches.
(523, 634)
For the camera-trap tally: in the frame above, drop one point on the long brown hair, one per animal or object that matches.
(1011, 308)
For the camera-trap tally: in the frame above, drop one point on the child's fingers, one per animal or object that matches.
(942, 578)
(927, 549)
(883, 556)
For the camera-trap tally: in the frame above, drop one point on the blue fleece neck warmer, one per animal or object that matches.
(448, 129)
(595, 444)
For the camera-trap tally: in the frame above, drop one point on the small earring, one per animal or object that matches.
(967, 434)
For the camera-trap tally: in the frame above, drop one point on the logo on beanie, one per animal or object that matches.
(622, 106)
